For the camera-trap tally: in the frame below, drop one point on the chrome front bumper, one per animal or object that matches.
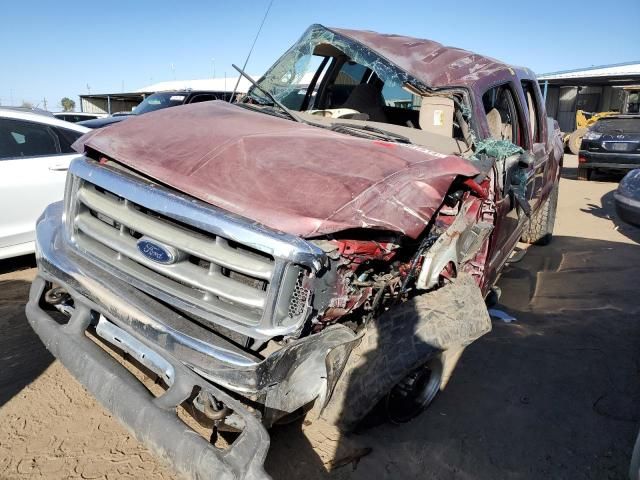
(173, 346)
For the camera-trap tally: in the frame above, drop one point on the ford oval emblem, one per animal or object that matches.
(157, 251)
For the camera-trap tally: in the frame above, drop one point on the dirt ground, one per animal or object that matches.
(553, 395)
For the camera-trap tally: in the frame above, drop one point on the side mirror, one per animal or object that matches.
(525, 206)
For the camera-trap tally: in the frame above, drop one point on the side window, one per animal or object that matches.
(26, 139)
(398, 97)
(502, 115)
(534, 111)
(350, 75)
(66, 139)
(203, 97)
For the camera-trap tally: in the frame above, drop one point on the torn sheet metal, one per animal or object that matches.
(457, 245)
(288, 176)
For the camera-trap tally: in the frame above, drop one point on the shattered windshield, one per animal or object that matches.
(340, 84)
(296, 69)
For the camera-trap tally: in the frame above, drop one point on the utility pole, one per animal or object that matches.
(44, 103)
(173, 70)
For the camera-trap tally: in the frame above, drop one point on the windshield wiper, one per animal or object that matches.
(369, 131)
(268, 109)
(291, 115)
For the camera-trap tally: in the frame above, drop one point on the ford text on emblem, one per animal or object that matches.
(158, 252)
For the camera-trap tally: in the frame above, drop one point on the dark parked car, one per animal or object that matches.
(77, 117)
(612, 143)
(158, 101)
(627, 198)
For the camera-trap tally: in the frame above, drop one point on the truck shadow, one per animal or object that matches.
(23, 357)
(554, 394)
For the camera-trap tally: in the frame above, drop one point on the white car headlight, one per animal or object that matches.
(591, 135)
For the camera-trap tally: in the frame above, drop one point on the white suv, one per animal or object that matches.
(35, 152)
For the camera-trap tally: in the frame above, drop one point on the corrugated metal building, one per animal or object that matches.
(593, 89)
(125, 102)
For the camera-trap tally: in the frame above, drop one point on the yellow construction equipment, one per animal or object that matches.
(584, 120)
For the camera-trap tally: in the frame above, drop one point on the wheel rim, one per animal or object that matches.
(414, 392)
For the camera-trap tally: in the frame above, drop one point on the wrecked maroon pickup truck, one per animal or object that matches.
(323, 247)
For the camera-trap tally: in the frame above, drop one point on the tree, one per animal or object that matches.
(26, 104)
(67, 104)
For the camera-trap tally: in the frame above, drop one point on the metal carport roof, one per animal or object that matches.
(616, 74)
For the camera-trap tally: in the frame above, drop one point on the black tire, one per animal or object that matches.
(540, 228)
(584, 173)
(414, 393)
(381, 360)
(408, 337)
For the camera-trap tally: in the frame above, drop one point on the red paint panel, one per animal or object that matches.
(288, 176)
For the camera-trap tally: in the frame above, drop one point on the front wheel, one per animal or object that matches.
(401, 361)
(414, 393)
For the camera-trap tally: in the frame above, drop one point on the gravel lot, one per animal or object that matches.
(553, 395)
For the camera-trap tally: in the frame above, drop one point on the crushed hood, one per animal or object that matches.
(289, 176)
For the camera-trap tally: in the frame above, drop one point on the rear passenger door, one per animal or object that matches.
(537, 140)
(34, 159)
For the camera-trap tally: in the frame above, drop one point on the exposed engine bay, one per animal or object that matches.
(367, 276)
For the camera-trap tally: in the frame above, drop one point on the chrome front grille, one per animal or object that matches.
(226, 269)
